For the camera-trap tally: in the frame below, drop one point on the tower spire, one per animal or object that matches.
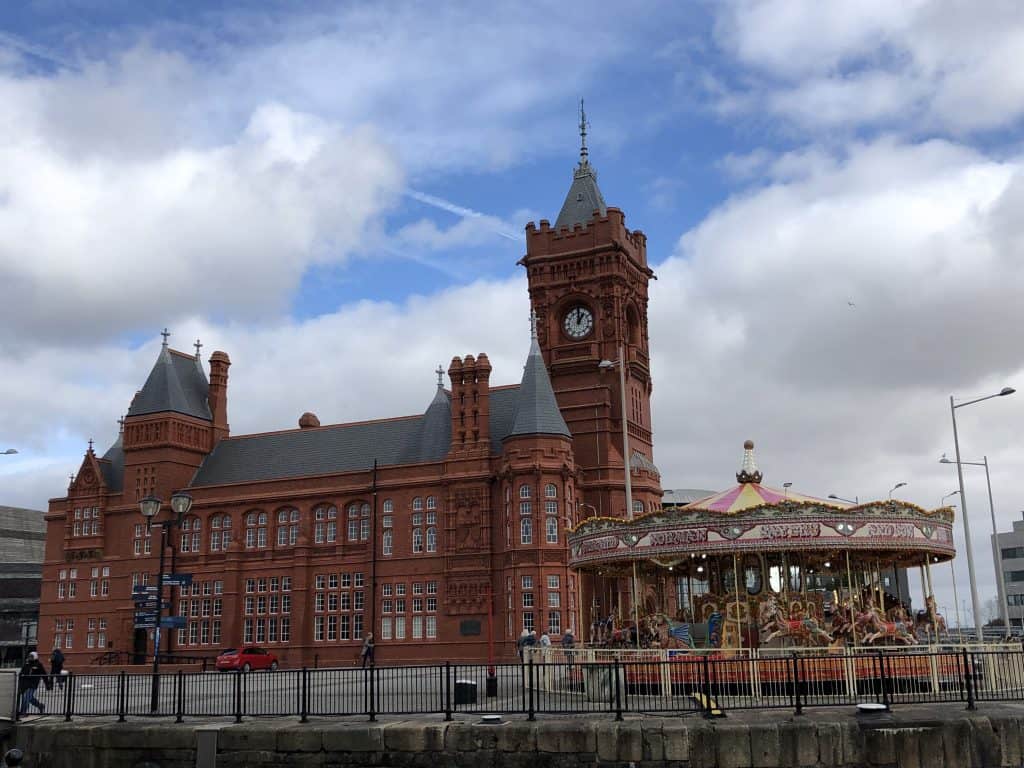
(583, 136)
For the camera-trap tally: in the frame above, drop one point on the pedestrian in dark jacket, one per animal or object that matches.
(367, 652)
(56, 666)
(32, 674)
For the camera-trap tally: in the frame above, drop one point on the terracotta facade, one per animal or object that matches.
(436, 556)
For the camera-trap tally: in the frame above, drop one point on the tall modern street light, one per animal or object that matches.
(1004, 612)
(854, 500)
(953, 405)
(8, 452)
(607, 365)
(181, 503)
(895, 487)
(952, 567)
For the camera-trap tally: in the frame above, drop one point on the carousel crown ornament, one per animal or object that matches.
(749, 473)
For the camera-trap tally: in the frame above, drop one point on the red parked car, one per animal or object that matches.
(246, 659)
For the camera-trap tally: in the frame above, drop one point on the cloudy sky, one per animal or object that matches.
(833, 196)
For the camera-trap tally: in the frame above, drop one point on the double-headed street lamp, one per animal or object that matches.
(607, 365)
(181, 503)
(1004, 612)
(953, 405)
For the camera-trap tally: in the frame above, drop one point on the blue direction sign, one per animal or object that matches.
(178, 579)
(172, 622)
(144, 589)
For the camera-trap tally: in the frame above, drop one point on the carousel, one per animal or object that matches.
(760, 568)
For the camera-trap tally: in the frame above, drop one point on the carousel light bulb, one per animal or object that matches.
(703, 557)
(700, 569)
(828, 564)
(670, 567)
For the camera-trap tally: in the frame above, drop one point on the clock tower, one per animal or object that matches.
(588, 279)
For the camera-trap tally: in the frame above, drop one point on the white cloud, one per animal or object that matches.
(927, 64)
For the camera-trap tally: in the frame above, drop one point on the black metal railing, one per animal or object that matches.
(127, 658)
(687, 684)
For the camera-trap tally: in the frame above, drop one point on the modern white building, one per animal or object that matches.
(1009, 554)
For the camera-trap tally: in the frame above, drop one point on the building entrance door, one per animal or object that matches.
(139, 647)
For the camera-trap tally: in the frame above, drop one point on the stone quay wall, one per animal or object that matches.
(935, 736)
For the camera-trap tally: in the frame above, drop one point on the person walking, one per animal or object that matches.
(568, 641)
(57, 666)
(545, 640)
(32, 674)
(367, 652)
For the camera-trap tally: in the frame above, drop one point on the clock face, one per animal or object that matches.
(578, 322)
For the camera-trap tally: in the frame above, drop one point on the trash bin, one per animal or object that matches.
(465, 692)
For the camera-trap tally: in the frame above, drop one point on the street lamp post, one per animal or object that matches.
(181, 503)
(854, 500)
(895, 487)
(605, 365)
(963, 503)
(1004, 611)
(952, 571)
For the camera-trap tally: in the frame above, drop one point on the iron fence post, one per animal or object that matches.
(618, 692)
(373, 693)
(530, 715)
(447, 690)
(69, 698)
(304, 697)
(238, 695)
(179, 709)
(706, 683)
(122, 683)
(969, 677)
(796, 684)
(882, 680)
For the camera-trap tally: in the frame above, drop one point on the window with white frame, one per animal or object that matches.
(417, 540)
(389, 506)
(387, 542)
(551, 529)
(364, 522)
(431, 539)
(431, 502)
(550, 491)
(555, 622)
(417, 504)
(385, 628)
(638, 507)
(353, 522)
(524, 491)
(526, 531)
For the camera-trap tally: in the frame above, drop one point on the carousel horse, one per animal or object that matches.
(842, 625)
(715, 630)
(929, 619)
(669, 633)
(880, 629)
(773, 624)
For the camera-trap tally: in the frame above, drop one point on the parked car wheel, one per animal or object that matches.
(273, 666)
(246, 667)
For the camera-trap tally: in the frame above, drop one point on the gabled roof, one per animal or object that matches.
(537, 411)
(112, 467)
(583, 199)
(348, 447)
(177, 383)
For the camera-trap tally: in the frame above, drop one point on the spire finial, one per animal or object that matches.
(90, 445)
(533, 325)
(749, 473)
(583, 135)
(198, 345)
(440, 376)
(165, 333)
(120, 426)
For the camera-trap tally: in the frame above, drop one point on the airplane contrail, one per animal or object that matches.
(458, 210)
(32, 49)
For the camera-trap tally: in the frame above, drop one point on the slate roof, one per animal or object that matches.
(537, 411)
(677, 497)
(348, 447)
(112, 466)
(22, 536)
(583, 199)
(176, 383)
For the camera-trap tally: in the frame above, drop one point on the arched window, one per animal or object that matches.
(431, 502)
(389, 505)
(225, 532)
(215, 533)
(287, 527)
(417, 503)
(551, 528)
(364, 523)
(256, 530)
(550, 491)
(638, 507)
(526, 531)
(353, 522)
(524, 491)
(325, 524)
(190, 535)
(431, 539)
(417, 540)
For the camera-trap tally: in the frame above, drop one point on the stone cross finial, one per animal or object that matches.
(198, 345)
(165, 333)
(440, 376)
(120, 425)
(90, 445)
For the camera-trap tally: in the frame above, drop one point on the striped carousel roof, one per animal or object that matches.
(749, 492)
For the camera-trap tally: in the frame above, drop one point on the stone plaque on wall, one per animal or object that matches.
(469, 627)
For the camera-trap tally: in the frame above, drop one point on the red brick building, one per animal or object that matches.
(303, 540)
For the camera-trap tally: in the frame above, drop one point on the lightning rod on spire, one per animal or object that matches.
(440, 376)
(583, 135)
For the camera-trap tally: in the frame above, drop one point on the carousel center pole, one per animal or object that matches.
(931, 592)
(736, 582)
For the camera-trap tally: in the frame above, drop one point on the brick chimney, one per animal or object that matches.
(218, 395)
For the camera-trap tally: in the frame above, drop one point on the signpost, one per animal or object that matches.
(178, 579)
(172, 622)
